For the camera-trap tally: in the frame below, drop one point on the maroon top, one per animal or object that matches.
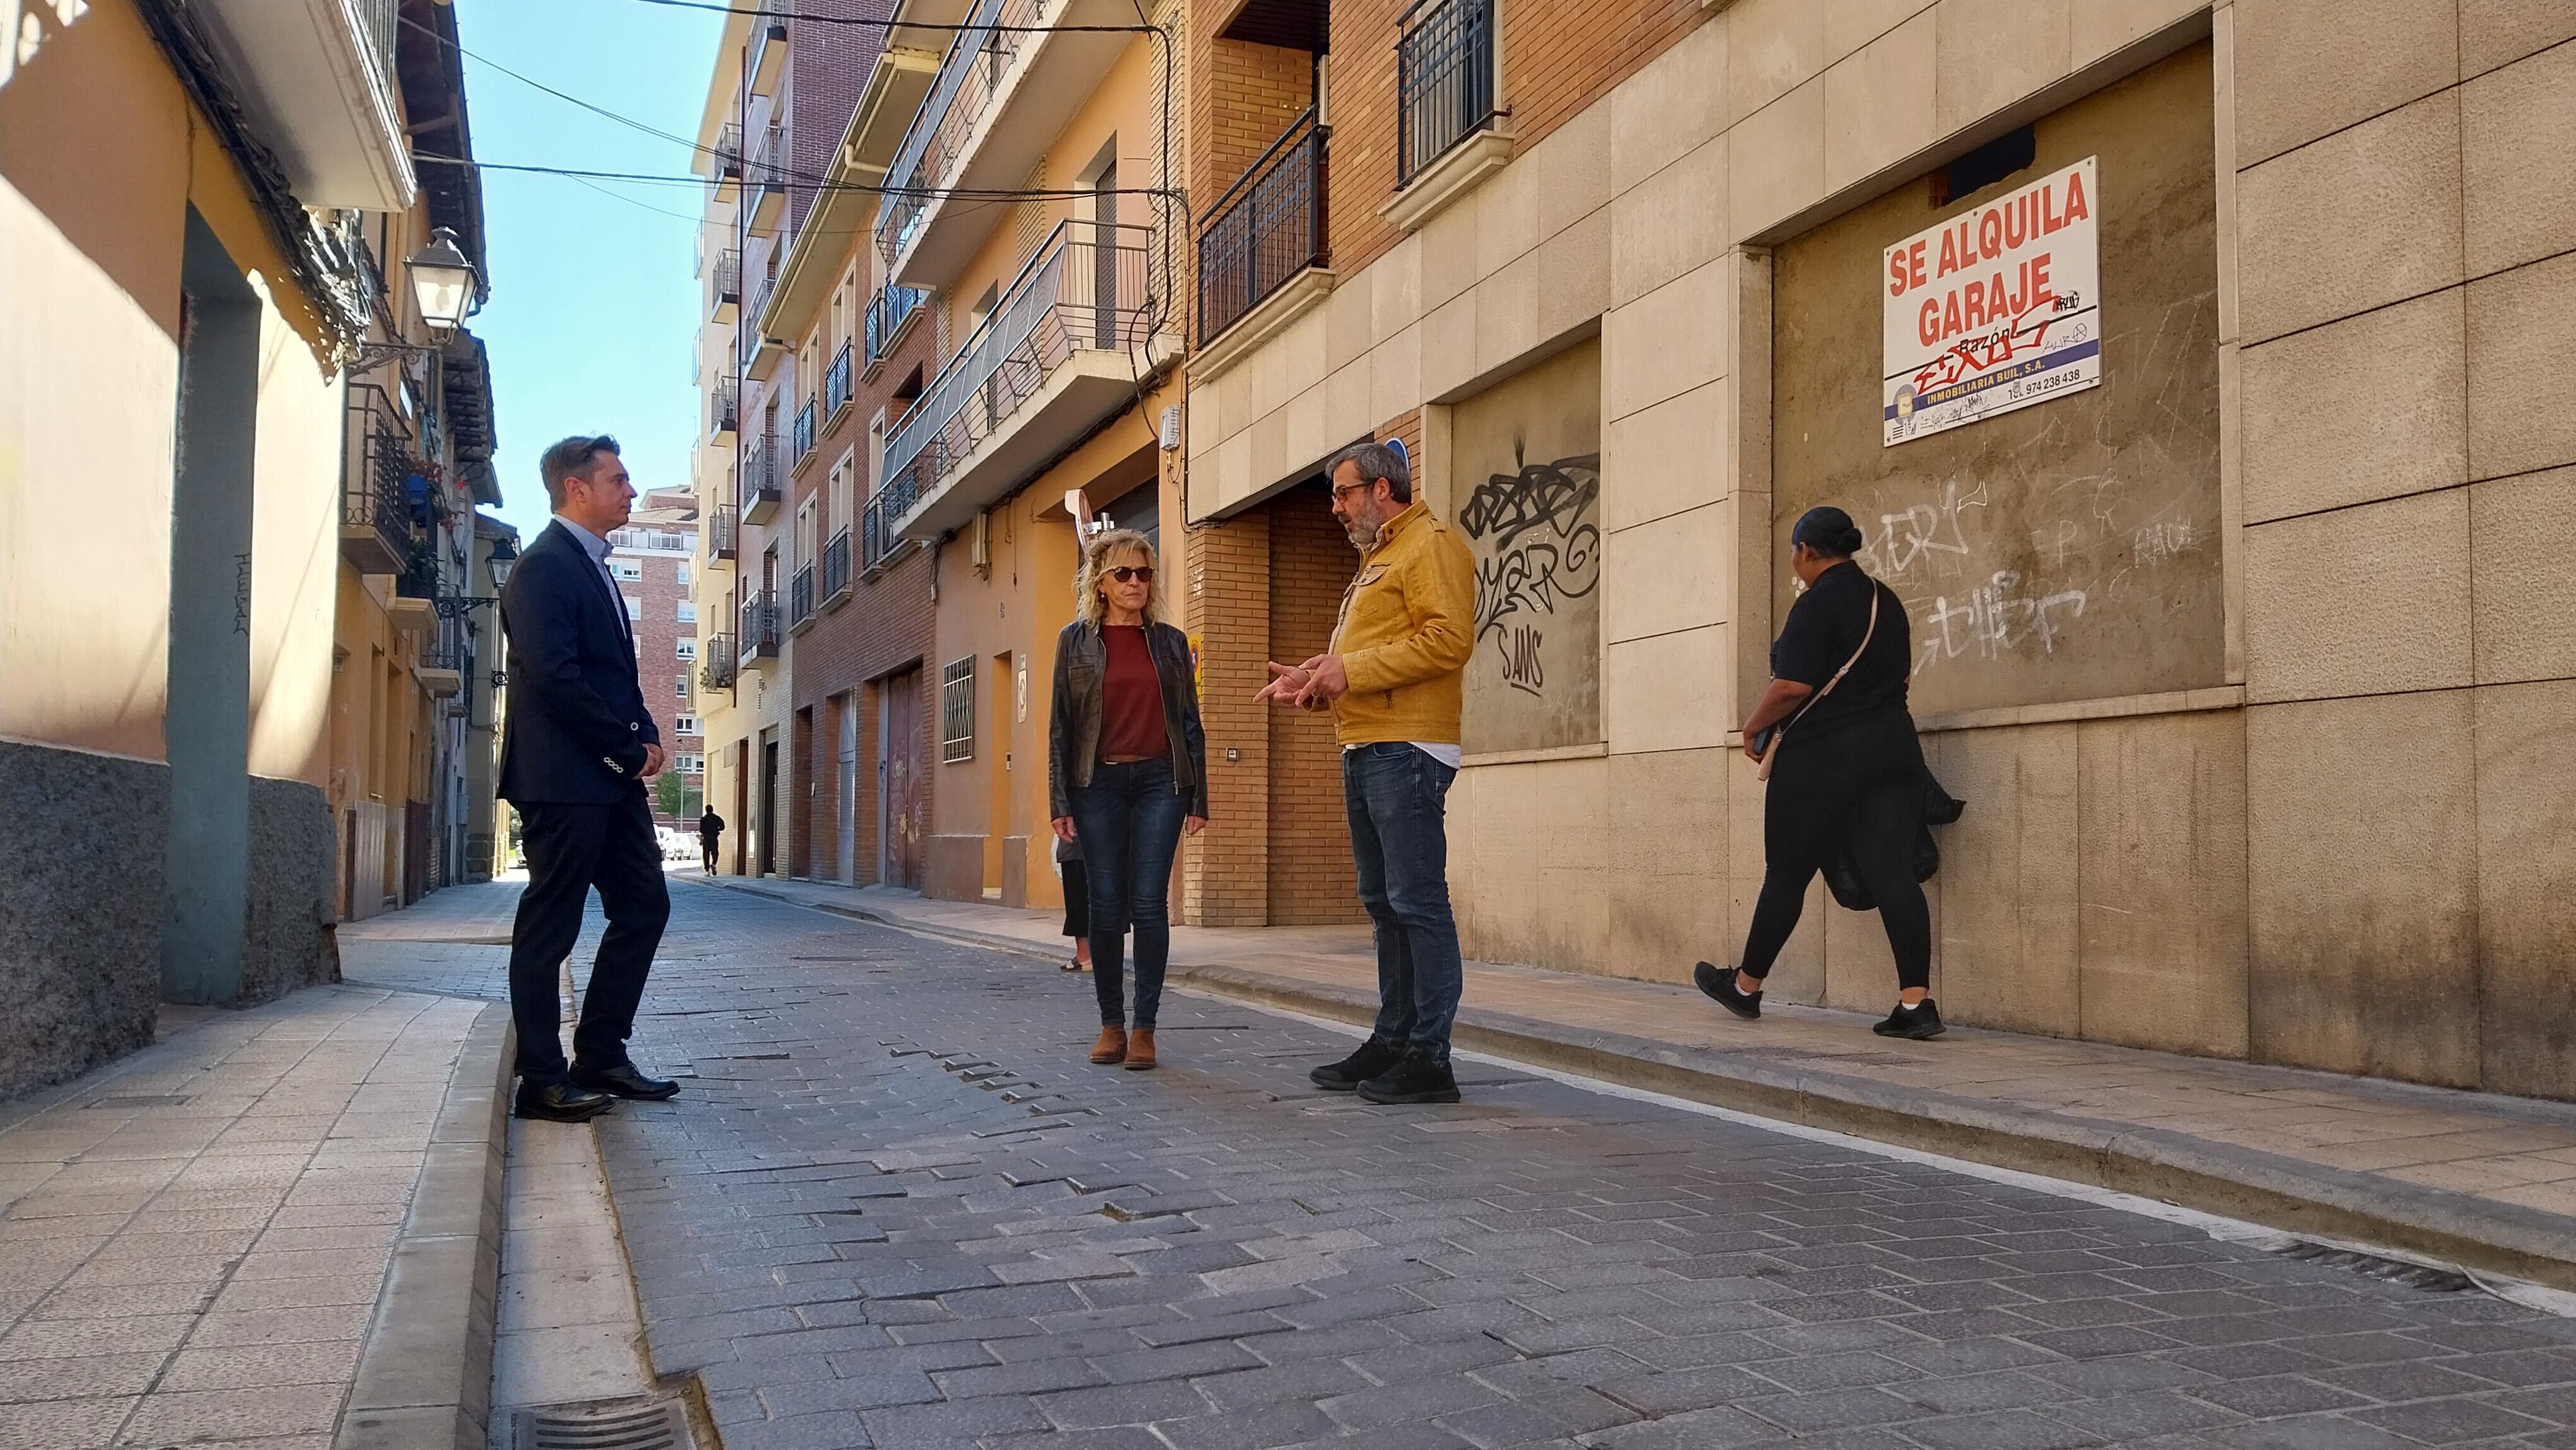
(1131, 698)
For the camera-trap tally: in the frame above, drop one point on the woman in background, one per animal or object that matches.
(1126, 773)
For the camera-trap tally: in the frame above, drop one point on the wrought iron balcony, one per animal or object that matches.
(1087, 291)
(800, 597)
(836, 383)
(1011, 78)
(805, 430)
(377, 517)
(724, 407)
(769, 44)
(766, 178)
(836, 568)
(878, 542)
(716, 673)
(721, 529)
(728, 149)
(1267, 228)
(890, 314)
(724, 296)
(760, 633)
(1444, 80)
(760, 471)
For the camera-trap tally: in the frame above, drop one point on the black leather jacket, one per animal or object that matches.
(1073, 728)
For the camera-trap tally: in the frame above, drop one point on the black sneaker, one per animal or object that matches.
(1720, 986)
(1374, 1057)
(1921, 1023)
(1417, 1078)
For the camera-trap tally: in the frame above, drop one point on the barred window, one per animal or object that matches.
(957, 710)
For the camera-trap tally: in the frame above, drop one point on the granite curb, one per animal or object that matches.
(2278, 1192)
(425, 1376)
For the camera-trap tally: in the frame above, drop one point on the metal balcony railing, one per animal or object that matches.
(1266, 229)
(800, 596)
(721, 529)
(836, 383)
(746, 332)
(836, 566)
(805, 429)
(717, 672)
(888, 312)
(1444, 80)
(728, 149)
(376, 508)
(760, 627)
(760, 472)
(768, 163)
(420, 580)
(971, 75)
(726, 290)
(877, 541)
(1088, 287)
(724, 407)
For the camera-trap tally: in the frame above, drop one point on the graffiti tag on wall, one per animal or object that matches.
(1538, 544)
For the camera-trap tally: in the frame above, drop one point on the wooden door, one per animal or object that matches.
(900, 805)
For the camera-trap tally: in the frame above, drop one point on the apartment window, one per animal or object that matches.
(957, 711)
(688, 649)
(684, 573)
(693, 765)
(684, 725)
(634, 606)
(688, 611)
(629, 571)
(683, 690)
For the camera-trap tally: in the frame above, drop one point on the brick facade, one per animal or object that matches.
(828, 67)
(1225, 877)
(1309, 868)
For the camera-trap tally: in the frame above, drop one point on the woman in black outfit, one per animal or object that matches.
(1847, 772)
(1126, 772)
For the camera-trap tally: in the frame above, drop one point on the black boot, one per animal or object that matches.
(1419, 1078)
(561, 1102)
(1921, 1023)
(1374, 1057)
(1721, 987)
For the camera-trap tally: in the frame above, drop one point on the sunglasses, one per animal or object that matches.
(1123, 573)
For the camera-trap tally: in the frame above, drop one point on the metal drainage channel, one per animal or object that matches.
(629, 1424)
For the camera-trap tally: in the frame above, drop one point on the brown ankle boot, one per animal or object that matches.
(1112, 1046)
(1140, 1050)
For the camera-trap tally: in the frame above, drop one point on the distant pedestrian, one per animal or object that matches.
(1077, 903)
(1126, 774)
(1845, 770)
(710, 830)
(1394, 679)
(579, 746)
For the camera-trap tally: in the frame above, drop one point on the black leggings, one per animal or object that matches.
(1860, 787)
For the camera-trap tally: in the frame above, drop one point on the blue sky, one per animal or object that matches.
(593, 310)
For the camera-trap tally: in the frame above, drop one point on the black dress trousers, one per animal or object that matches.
(570, 850)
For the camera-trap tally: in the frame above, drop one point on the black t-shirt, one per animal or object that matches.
(1824, 627)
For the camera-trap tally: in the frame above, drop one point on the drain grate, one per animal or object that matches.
(632, 1424)
(2395, 1271)
(139, 1100)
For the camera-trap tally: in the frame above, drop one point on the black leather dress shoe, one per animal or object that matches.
(562, 1102)
(626, 1081)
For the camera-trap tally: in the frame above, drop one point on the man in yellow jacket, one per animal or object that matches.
(1394, 680)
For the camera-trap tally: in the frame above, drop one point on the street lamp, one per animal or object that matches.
(442, 281)
(505, 552)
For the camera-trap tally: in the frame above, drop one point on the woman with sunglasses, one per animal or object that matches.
(1126, 773)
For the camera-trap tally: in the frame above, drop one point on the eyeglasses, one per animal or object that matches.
(1123, 574)
(1342, 488)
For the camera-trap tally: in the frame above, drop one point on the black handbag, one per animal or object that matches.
(1940, 808)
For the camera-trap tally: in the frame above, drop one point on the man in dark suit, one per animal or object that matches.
(578, 748)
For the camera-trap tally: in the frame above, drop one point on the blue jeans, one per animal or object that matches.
(1397, 797)
(1129, 823)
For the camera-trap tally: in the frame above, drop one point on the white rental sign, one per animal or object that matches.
(1995, 309)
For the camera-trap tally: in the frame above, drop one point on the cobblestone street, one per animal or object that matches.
(895, 1206)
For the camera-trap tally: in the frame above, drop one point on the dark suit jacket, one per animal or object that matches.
(577, 725)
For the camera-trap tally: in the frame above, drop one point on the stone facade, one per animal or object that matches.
(2318, 839)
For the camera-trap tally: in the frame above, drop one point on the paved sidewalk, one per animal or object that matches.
(2476, 1179)
(194, 1240)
